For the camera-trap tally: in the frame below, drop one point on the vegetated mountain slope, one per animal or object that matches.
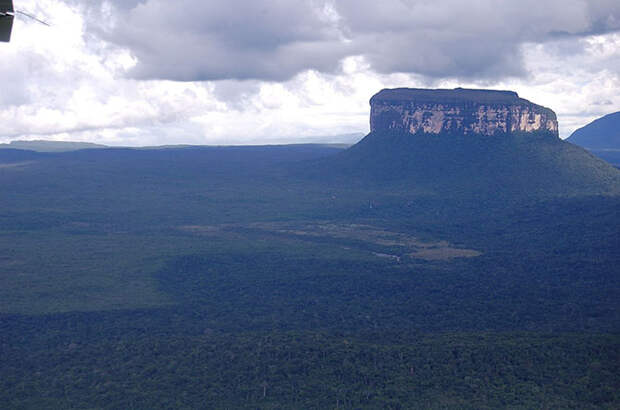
(511, 166)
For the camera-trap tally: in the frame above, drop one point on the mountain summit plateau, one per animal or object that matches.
(458, 112)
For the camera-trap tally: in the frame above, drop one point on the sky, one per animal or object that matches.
(224, 72)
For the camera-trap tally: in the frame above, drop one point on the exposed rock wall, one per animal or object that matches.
(458, 112)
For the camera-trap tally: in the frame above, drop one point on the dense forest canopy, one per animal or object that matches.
(265, 277)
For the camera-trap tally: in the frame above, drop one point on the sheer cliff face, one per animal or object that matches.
(458, 112)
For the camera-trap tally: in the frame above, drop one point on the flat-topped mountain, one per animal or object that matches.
(459, 111)
(471, 143)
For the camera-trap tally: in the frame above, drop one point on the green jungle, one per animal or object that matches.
(309, 277)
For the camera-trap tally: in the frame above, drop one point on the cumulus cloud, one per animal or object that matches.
(194, 40)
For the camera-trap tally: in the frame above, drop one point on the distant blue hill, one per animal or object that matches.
(601, 137)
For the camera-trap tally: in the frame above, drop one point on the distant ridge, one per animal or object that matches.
(601, 137)
(602, 133)
(334, 141)
(50, 146)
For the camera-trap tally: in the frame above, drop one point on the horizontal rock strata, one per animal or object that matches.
(458, 112)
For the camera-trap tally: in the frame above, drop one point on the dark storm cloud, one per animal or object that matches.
(276, 39)
(232, 39)
(455, 38)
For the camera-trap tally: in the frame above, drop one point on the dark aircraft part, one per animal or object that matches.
(6, 25)
(6, 19)
(7, 14)
(6, 6)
